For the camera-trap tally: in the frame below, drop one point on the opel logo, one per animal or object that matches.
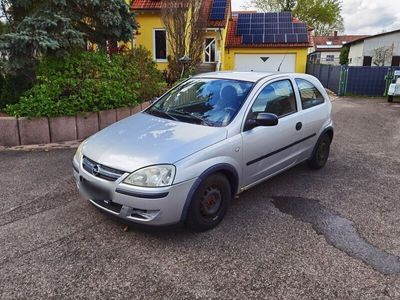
(96, 170)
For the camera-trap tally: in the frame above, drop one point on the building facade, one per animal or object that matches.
(378, 50)
(245, 41)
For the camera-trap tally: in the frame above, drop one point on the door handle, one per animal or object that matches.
(299, 126)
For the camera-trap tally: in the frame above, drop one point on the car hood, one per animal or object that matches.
(143, 140)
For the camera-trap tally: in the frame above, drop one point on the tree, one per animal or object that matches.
(344, 55)
(55, 27)
(184, 24)
(382, 55)
(323, 15)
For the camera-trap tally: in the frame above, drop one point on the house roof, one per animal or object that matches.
(146, 4)
(335, 42)
(372, 36)
(233, 40)
(206, 7)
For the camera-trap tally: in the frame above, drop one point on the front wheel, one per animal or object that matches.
(390, 99)
(210, 203)
(321, 154)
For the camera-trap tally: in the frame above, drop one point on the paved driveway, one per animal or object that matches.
(54, 244)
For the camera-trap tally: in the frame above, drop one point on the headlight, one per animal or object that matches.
(78, 153)
(154, 176)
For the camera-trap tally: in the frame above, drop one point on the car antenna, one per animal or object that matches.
(280, 65)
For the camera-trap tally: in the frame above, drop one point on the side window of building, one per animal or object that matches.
(310, 95)
(276, 98)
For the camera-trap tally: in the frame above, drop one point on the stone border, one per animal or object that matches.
(34, 131)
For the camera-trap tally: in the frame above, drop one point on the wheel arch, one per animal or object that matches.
(226, 169)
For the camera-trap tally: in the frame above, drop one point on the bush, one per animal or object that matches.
(89, 81)
(11, 88)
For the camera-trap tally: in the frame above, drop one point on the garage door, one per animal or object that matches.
(265, 62)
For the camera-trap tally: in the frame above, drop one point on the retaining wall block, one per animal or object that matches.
(135, 109)
(9, 131)
(123, 113)
(34, 131)
(145, 105)
(87, 125)
(107, 117)
(62, 129)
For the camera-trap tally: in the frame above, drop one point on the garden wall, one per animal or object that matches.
(30, 131)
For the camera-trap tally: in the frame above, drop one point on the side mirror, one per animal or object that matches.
(262, 119)
(267, 119)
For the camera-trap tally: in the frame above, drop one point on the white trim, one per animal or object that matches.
(215, 50)
(154, 45)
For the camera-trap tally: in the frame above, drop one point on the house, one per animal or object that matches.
(378, 50)
(245, 41)
(327, 49)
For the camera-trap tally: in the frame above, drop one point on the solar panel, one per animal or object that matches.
(291, 38)
(302, 38)
(248, 39)
(269, 38)
(258, 39)
(218, 10)
(258, 28)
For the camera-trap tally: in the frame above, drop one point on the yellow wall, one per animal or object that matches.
(301, 56)
(149, 21)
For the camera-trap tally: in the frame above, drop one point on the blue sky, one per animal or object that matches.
(362, 16)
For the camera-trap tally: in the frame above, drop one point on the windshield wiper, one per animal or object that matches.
(191, 116)
(159, 113)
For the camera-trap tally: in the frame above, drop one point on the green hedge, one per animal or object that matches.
(90, 81)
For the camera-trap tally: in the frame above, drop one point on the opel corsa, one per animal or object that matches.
(213, 136)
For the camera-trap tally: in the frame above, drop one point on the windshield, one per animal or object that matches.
(210, 102)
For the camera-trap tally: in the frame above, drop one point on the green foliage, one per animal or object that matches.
(11, 88)
(87, 81)
(323, 15)
(56, 27)
(344, 55)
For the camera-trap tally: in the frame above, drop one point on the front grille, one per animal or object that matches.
(115, 207)
(101, 171)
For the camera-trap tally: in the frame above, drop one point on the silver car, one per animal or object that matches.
(210, 138)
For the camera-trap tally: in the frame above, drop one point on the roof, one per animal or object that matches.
(206, 7)
(233, 40)
(244, 76)
(373, 36)
(146, 4)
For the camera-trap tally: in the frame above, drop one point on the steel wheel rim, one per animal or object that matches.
(211, 202)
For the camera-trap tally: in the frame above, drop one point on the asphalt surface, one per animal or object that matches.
(53, 244)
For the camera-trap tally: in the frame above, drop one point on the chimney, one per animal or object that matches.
(335, 34)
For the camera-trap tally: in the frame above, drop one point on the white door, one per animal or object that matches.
(265, 62)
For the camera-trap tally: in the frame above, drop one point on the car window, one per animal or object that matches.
(205, 101)
(310, 95)
(276, 98)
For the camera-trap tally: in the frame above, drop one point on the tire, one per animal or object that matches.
(209, 203)
(390, 99)
(321, 153)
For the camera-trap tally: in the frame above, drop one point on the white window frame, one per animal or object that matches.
(204, 50)
(154, 45)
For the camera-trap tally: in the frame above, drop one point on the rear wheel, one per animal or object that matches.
(210, 203)
(390, 99)
(321, 154)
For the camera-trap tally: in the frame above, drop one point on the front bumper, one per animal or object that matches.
(150, 206)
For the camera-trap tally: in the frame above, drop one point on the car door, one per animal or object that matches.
(268, 150)
(313, 115)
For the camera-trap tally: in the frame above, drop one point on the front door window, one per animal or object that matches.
(209, 51)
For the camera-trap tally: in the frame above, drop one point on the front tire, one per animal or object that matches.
(321, 153)
(390, 99)
(210, 203)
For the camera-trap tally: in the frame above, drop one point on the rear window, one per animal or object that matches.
(310, 95)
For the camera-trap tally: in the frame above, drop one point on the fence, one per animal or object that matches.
(345, 80)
